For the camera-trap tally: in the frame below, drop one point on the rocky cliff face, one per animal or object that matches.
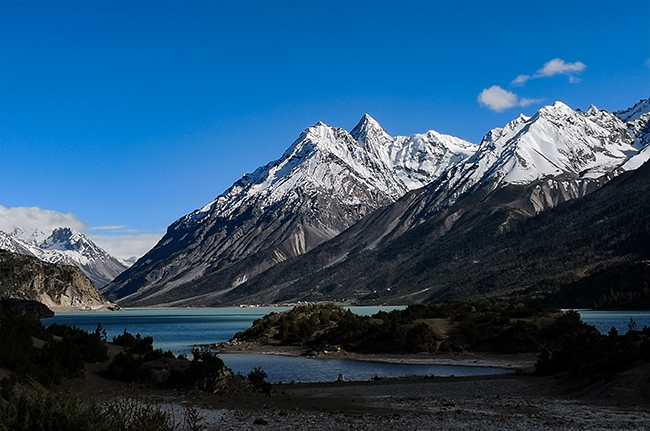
(29, 278)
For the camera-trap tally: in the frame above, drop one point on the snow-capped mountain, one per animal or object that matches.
(327, 180)
(559, 154)
(330, 181)
(65, 247)
(422, 246)
(573, 152)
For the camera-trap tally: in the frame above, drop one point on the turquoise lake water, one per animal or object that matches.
(179, 330)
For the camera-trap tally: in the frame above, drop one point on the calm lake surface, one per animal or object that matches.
(605, 320)
(179, 330)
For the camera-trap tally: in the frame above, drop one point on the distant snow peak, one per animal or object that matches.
(65, 246)
(65, 238)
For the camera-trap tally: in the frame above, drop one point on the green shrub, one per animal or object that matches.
(258, 379)
(91, 346)
(134, 344)
(126, 367)
(51, 411)
(206, 370)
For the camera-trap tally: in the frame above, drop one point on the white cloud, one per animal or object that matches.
(499, 99)
(557, 66)
(126, 246)
(30, 218)
(117, 240)
(521, 80)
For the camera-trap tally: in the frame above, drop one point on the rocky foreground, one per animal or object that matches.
(507, 402)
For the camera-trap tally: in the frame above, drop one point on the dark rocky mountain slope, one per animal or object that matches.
(28, 278)
(590, 252)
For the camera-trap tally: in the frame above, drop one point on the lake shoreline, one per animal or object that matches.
(514, 362)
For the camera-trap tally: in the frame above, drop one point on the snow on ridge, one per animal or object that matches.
(327, 158)
(555, 140)
(65, 246)
(636, 111)
(559, 140)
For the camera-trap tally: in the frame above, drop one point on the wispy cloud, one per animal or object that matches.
(521, 80)
(499, 99)
(118, 240)
(119, 227)
(557, 66)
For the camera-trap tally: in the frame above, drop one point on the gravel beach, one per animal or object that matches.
(509, 403)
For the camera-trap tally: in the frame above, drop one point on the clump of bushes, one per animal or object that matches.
(581, 351)
(139, 345)
(297, 326)
(206, 371)
(31, 350)
(258, 378)
(127, 367)
(64, 411)
(131, 365)
(474, 326)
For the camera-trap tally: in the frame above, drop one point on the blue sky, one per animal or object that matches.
(125, 115)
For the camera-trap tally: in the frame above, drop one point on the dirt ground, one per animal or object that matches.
(501, 402)
(507, 402)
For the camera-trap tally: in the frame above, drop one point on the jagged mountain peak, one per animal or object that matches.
(576, 151)
(506, 132)
(558, 107)
(65, 238)
(631, 114)
(368, 127)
